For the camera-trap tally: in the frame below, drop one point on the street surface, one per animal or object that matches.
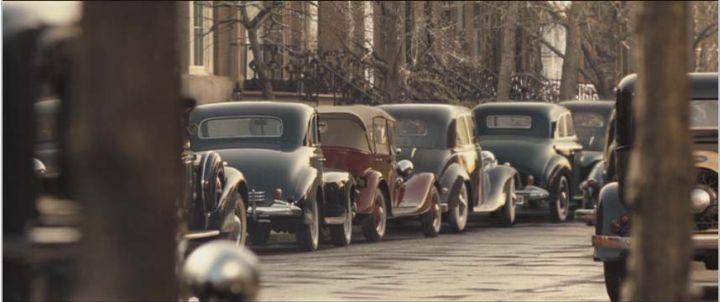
(535, 260)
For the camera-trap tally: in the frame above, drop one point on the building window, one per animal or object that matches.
(201, 41)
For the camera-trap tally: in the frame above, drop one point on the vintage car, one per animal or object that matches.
(537, 139)
(277, 147)
(440, 139)
(360, 139)
(611, 240)
(591, 120)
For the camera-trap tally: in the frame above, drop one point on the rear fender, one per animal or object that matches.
(609, 209)
(498, 177)
(337, 188)
(231, 194)
(417, 191)
(366, 198)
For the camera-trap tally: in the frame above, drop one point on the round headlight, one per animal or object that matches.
(700, 200)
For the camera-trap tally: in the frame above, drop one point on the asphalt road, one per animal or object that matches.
(535, 260)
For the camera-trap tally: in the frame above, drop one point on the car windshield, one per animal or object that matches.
(590, 128)
(418, 133)
(343, 133)
(704, 114)
(241, 127)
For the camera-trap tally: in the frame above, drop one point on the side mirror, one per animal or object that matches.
(405, 168)
(39, 168)
(398, 150)
(221, 271)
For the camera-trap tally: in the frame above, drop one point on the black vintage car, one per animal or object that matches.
(612, 230)
(276, 145)
(440, 139)
(539, 140)
(591, 119)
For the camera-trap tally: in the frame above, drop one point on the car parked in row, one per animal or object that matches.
(539, 140)
(359, 139)
(440, 139)
(591, 120)
(612, 230)
(277, 146)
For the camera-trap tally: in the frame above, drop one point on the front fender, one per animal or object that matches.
(449, 180)
(554, 166)
(225, 210)
(306, 181)
(417, 191)
(609, 208)
(498, 177)
(337, 186)
(366, 198)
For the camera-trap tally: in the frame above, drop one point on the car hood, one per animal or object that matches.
(528, 155)
(267, 169)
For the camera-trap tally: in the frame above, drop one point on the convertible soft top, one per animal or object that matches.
(364, 114)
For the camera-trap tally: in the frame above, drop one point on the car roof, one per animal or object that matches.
(445, 111)
(594, 106)
(549, 110)
(703, 85)
(254, 107)
(363, 113)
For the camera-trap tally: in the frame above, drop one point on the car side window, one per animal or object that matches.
(312, 132)
(380, 135)
(470, 128)
(569, 125)
(560, 131)
(461, 133)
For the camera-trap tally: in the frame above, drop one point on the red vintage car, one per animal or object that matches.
(358, 139)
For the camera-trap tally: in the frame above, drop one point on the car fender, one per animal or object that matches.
(337, 186)
(450, 182)
(366, 198)
(306, 182)
(417, 191)
(556, 164)
(232, 192)
(498, 176)
(610, 207)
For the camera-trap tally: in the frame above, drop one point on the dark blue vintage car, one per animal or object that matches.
(539, 140)
(276, 145)
(440, 139)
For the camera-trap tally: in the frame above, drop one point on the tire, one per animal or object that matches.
(341, 235)
(307, 236)
(458, 215)
(431, 221)
(614, 272)
(240, 237)
(506, 214)
(375, 225)
(560, 199)
(259, 233)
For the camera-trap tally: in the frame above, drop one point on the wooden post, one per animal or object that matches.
(661, 171)
(124, 150)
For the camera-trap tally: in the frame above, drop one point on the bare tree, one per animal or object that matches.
(507, 59)
(660, 166)
(571, 62)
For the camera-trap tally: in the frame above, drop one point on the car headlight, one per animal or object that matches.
(700, 200)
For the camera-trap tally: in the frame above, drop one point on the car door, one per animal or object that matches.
(465, 148)
(312, 141)
(383, 157)
(566, 144)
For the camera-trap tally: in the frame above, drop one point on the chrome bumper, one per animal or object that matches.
(278, 208)
(531, 193)
(705, 240)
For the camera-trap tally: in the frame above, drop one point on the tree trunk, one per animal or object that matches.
(409, 32)
(661, 171)
(507, 59)
(260, 66)
(124, 150)
(393, 48)
(571, 63)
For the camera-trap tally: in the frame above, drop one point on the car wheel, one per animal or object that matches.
(341, 234)
(240, 234)
(507, 212)
(259, 233)
(307, 236)
(458, 215)
(374, 226)
(560, 199)
(614, 272)
(431, 221)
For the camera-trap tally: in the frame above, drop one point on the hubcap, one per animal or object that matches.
(461, 208)
(511, 201)
(563, 197)
(311, 216)
(436, 216)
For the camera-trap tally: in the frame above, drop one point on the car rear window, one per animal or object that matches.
(343, 133)
(509, 122)
(703, 114)
(241, 127)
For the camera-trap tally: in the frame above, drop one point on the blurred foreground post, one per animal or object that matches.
(124, 146)
(660, 176)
